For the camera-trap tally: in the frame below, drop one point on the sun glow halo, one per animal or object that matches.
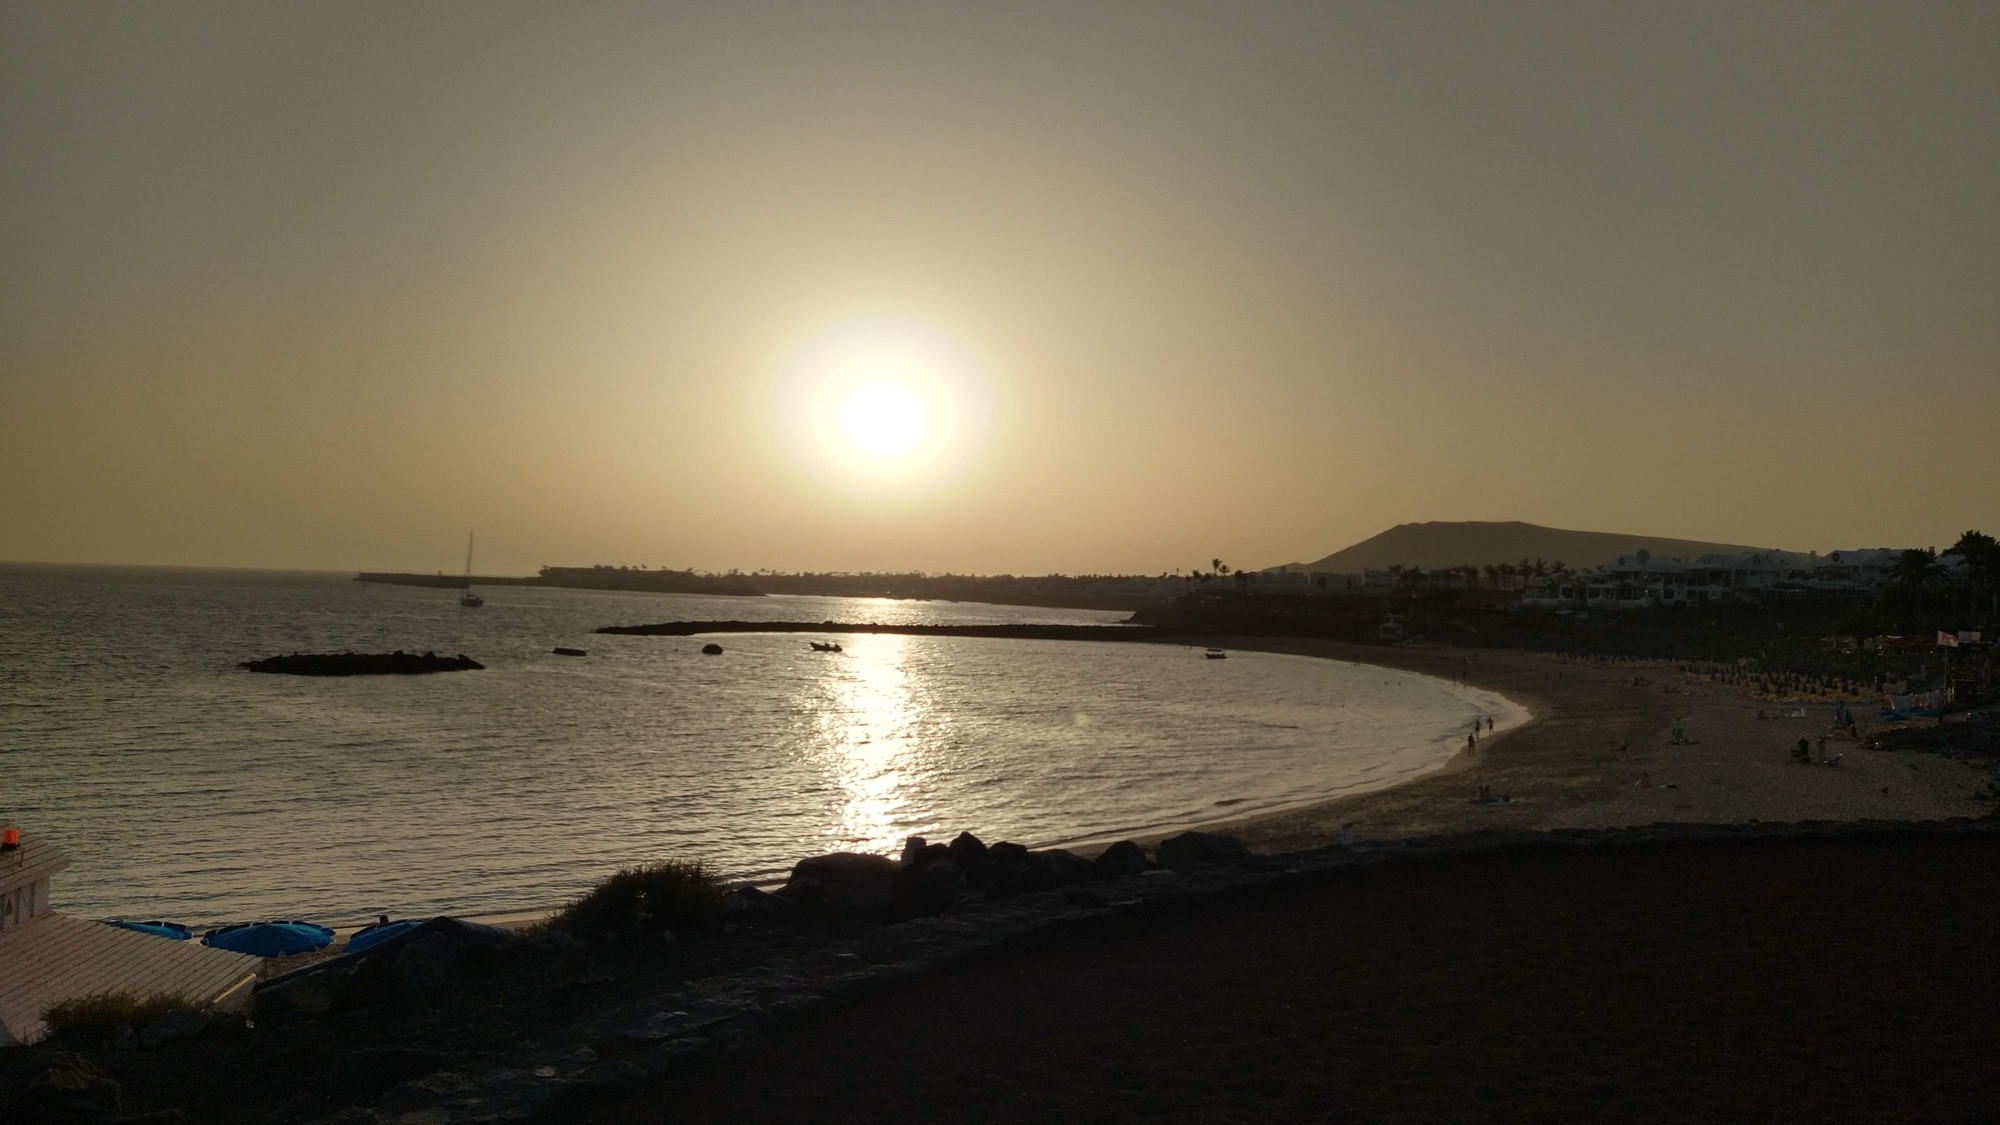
(883, 419)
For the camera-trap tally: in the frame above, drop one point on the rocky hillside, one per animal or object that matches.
(1433, 545)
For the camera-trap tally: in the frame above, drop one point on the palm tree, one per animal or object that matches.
(1981, 553)
(1917, 572)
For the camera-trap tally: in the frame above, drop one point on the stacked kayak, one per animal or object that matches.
(172, 931)
(270, 939)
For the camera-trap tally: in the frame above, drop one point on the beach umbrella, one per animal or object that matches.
(173, 931)
(370, 936)
(270, 939)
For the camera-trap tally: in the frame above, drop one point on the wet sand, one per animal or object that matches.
(1566, 768)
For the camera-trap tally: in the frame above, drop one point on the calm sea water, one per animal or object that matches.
(185, 788)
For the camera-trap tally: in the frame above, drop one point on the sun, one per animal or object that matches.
(883, 419)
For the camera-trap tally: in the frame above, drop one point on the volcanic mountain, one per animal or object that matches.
(1478, 543)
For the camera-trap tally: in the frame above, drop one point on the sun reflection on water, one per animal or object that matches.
(870, 732)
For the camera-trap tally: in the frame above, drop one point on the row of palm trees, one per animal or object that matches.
(1492, 576)
(1922, 583)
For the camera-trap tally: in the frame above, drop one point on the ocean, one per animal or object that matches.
(185, 788)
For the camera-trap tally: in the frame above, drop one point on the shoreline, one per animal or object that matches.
(1589, 734)
(1512, 715)
(1602, 753)
(1569, 759)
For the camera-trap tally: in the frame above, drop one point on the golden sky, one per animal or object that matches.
(327, 285)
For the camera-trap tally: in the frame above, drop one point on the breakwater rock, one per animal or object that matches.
(1012, 632)
(398, 663)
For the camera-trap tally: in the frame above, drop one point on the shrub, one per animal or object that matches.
(641, 901)
(98, 1015)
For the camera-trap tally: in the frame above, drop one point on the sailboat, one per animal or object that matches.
(469, 599)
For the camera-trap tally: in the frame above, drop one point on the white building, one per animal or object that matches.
(47, 957)
(1641, 580)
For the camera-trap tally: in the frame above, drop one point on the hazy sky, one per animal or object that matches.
(326, 285)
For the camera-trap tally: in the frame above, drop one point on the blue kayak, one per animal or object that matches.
(172, 931)
(369, 936)
(270, 939)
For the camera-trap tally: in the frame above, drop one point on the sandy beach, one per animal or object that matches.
(1578, 760)
(1578, 764)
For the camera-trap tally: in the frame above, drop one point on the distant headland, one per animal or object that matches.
(1110, 592)
(585, 578)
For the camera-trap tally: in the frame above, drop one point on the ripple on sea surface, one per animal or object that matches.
(186, 788)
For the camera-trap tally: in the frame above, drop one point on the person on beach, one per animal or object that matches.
(1489, 724)
(1472, 744)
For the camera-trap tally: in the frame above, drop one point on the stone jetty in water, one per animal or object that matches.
(398, 663)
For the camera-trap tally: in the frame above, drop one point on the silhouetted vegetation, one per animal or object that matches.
(643, 902)
(96, 1018)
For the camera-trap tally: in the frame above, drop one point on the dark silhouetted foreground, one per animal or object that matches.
(1822, 980)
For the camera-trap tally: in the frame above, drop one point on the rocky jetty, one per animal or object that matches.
(398, 663)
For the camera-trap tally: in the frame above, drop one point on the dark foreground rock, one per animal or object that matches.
(1189, 850)
(398, 663)
(845, 883)
(64, 1087)
(1121, 858)
(431, 960)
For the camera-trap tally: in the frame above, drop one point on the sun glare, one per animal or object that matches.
(882, 409)
(883, 419)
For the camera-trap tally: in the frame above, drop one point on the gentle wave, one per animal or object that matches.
(185, 788)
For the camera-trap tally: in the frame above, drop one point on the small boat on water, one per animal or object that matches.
(1216, 654)
(469, 599)
(827, 647)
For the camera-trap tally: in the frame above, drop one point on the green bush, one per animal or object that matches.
(98, 1015)
(641, 901)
